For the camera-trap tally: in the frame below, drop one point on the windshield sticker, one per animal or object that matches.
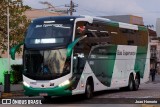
(49, 25)
(49, 21)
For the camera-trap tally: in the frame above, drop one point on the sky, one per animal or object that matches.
(148, 9)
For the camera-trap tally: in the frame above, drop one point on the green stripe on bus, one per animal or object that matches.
(56, 91)
(140, 61)
(103, 69)
(142, 28)
(114, 24)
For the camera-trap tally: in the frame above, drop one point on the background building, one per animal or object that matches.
(137, 20)
(36, 13)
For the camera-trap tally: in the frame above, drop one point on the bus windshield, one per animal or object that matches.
(46, 65)
(45, 46)
(50, 34)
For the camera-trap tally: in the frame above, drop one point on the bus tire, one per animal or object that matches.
(131, 83)
(88, 90)
(136, 83)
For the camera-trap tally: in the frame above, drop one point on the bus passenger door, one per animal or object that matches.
(79, 61)
(79, 54)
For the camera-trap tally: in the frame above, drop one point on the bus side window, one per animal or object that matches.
(80, 29)
(130, 42)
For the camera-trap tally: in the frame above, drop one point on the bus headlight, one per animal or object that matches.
(64, 83)
(26, 84)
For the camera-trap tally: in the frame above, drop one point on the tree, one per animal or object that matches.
(18, 23)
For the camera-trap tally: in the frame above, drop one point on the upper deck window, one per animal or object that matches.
(49, 34)
(38, 31)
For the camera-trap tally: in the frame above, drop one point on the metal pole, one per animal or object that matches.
(71, 8)
(7, 76)
(8, 37)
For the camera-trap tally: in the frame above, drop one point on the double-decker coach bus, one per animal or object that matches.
(69, 55)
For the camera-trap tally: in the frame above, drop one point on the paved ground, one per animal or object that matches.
(15, 87)
(146, 90)
(13, 94)
(16, 91)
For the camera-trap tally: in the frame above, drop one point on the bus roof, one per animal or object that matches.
(120, 24)
(51, 18)
(96, 19)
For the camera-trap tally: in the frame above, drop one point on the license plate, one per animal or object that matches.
(43, 94)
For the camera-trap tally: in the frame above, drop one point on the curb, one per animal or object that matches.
(12, 94)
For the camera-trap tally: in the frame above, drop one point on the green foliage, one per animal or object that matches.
(15, 74)
(18, 23)
(11, 76)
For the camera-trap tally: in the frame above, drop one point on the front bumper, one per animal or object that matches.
(56, 91)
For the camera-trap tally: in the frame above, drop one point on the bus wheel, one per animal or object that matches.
(88, 90)
(136, 83)
(131, 83)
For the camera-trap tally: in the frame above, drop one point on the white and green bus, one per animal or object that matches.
(69, 55)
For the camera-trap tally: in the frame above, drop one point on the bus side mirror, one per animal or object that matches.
(14, 49)
(71, 45)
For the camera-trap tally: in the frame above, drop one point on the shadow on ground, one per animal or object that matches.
(80, 99)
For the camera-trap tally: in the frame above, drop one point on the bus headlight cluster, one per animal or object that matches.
(26, 84)
(64, 83)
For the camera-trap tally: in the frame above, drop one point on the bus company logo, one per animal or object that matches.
(125, 53)
(6, 101)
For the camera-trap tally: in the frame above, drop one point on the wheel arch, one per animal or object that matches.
(135, 74)
(131, 74)
(138, 75)
(91, 81)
